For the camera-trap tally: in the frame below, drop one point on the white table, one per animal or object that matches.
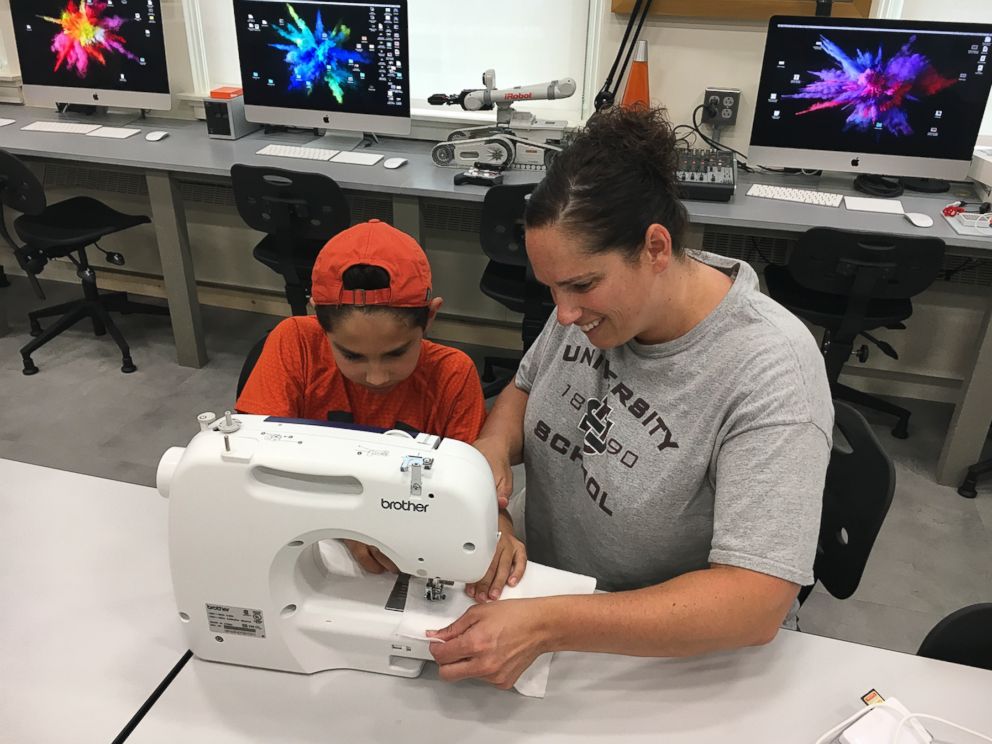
(87, 629)
(789, 692)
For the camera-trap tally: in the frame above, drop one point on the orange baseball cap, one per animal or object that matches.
(376, 244)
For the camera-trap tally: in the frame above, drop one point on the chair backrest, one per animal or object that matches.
(250, 361)
(302, 206)
(889, 266)
(501, 227)
(19, 187)
(856, 497)
(963, 637)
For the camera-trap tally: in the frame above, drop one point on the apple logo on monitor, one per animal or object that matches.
(855, 162)
(327, 119)
(96, 96)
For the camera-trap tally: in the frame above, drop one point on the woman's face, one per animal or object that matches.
(603, 294)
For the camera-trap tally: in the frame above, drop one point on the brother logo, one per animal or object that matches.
(403, 505)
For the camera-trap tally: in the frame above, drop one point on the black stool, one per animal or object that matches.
(64, 230)
(851, 283)
(299, 212)
(508, 277)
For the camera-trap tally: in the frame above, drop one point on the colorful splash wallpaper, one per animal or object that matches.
(88, 35)
(874, 90)
(316, 56)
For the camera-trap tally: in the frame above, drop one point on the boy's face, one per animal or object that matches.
(377, 350)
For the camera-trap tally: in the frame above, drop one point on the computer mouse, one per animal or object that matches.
(918, 219)
(392, 163)
(156, 136)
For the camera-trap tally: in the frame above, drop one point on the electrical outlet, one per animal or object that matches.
(726, 101)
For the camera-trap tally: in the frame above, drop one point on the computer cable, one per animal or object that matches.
(968, 263)
(917, 716)
(848, 722)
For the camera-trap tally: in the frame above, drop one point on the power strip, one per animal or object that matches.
(878, 726)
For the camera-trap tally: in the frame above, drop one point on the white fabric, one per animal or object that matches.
(421, 615)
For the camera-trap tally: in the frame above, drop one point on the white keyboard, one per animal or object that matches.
(300, 153)
(113, 132)
(357, 158)
(60, 127)
(800, 196)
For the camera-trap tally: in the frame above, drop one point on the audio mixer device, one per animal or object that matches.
(706, 175)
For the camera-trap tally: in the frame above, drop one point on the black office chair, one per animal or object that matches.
(249, 364)
(856, 497)
(963, 637)
(969, 486)
(65, 230)
(299, 212)
(851, 283)
(508, 277)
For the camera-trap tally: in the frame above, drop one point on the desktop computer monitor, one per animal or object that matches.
(326, 65)
(872, 96)
(96, 52)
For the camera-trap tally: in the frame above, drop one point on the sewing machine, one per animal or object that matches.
(250, 497)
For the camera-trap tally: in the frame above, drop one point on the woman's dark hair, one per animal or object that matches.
(612, 181)
(364, 276)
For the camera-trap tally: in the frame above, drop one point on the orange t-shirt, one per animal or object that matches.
(296, 377)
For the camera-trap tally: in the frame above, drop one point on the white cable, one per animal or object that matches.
(832, 733)
(911, 716)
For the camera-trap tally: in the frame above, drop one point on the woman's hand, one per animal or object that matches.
(507, 567)
(499, 463)
(495, 642)
(370, 557)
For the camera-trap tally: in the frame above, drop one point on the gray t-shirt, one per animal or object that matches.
(647, 462)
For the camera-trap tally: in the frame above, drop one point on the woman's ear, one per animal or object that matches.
(658, 246)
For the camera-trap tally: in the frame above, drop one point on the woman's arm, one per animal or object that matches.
(714, 609)
(502, 439)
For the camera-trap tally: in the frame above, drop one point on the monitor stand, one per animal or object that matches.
(926, 185)
(881, 186)
(81, 108)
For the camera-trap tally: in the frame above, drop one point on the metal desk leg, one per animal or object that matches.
(169, 218)
(406, 215)
(973, 413)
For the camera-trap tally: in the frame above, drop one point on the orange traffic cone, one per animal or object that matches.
(637, 91)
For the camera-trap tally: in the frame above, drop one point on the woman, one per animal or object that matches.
(675, 424)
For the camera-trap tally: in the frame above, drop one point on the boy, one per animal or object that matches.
(363, 359)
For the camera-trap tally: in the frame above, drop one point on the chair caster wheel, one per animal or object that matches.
(901, 430)
(967, 489)
(29, 368)
(128, 366)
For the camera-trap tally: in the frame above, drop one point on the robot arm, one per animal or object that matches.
(485, 99)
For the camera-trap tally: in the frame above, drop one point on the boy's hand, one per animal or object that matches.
(499, 463)
(508, 565)
(370, 557)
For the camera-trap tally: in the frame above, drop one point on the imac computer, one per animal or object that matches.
(325, 65)
(93, 52)
(872, 96)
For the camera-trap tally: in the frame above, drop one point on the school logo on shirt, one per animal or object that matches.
(596, 425)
